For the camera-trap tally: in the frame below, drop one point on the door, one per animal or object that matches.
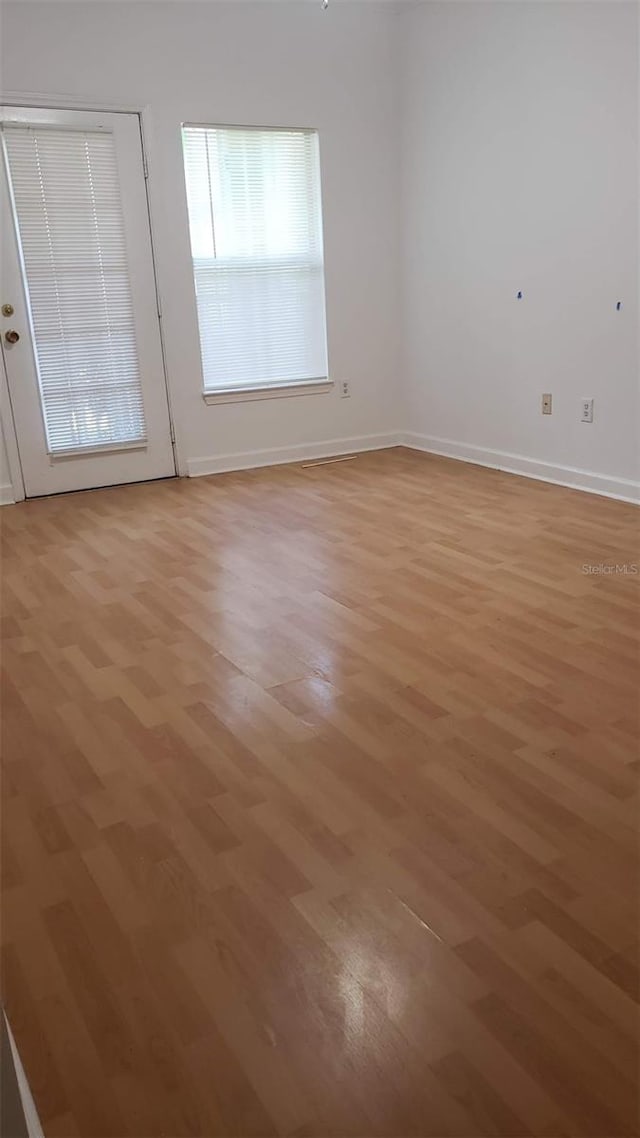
(79, 317)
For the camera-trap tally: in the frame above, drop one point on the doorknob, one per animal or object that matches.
(12, 336)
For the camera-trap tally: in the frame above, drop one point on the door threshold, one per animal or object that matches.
(96, 489)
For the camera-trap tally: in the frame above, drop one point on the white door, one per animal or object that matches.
(79, 319)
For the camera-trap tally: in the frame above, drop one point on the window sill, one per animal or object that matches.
(267, 391)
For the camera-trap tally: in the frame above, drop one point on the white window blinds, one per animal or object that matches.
(256, 240)
(69, 218)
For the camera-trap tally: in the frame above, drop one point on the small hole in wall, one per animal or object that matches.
(518, 295)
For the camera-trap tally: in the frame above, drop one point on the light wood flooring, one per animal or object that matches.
(319, 811)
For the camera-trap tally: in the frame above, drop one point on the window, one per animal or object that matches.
(69, 215)
(256, 240)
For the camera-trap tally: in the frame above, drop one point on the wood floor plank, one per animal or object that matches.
(320, 805)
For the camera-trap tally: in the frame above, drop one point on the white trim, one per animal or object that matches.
(34, 1129)
(275, 456)
(623, 489)
(149, 158)
(67, 102)
(13, 491)
(268, 391)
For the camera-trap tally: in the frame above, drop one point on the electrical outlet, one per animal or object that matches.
(546, 404)
(345, 390)
(587, 411)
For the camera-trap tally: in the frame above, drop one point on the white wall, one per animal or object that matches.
(520, 141)
(517, 124)
(280, 64)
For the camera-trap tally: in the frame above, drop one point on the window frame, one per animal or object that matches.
(242, 393)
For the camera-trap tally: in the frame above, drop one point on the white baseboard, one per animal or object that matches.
(622, 488)
(276, 456)
(34, 1129)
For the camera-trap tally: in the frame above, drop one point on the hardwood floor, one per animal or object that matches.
(319, 810)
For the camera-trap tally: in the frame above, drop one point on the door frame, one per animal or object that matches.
(77, 103)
